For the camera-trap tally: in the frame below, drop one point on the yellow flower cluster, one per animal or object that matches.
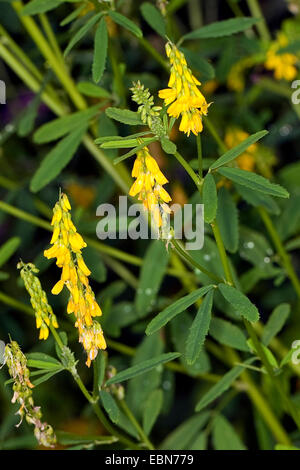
(67, 244)
(282, 64)
(43, 311)
(22, 387)
(245, 161)
(149, 185)
(184, 94)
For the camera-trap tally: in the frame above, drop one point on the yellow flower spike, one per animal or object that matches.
(43, 311)
(148, 185)
(186, 98)
(67, 246)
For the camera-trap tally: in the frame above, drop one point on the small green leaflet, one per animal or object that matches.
(72, 16)
(275, 322)
(199, 329)
(8, 249)
(151, 276)
(228, 334)
(142, 367)
(182, 437)
(95, 91)
(39, 6)
(110, 406)
(238, 150)
(82, 32)
(174, 309)
(100, 51)
(154, 18)
(220, 387)
(57, 159)
(125, 116)
(126, 23)
(59, 127)
(239, 302)
(210, 199)
(227, 220)
(224, 435)
(253, 181)
(221, 28)
(152, 409)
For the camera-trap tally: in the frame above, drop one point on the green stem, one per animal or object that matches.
(51, 37)
(199, 152)
(153, 52)
(59, 68)
(188, 169)
(222, 252)
(262, 27)
(285, 258)
(194, 263)
(136, 424)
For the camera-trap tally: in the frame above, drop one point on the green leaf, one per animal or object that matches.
(227, 220)
(99, 371)
(95, 91)
(200, 442)
(126, 23)
(110, 406)
(117, 143)
(174, 309)
(100, 51)
(168, 146)
(134, 150)
(125, 116)
(253, 181)
(199, 64)
(151, 276)
(210, 199)
(57, 159)
(39, 6)
(37, 356)
(199, 329)
(82, 32)
(258, 199)
(152, 409)
(220, 387)
(46, 377)
(238, 150)
(182, 437)
(221, 28)
(239, 302)
(72, 16)
(154, 18)
(228, 334)
(61, 126)
(142, 367)
(275, 322)
(8, 249)
(224, 435)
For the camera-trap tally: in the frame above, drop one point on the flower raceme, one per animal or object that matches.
(149, 186)
(67, 244)
(43, 311)
(17, 366)
(282, 64)
(184, 94)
